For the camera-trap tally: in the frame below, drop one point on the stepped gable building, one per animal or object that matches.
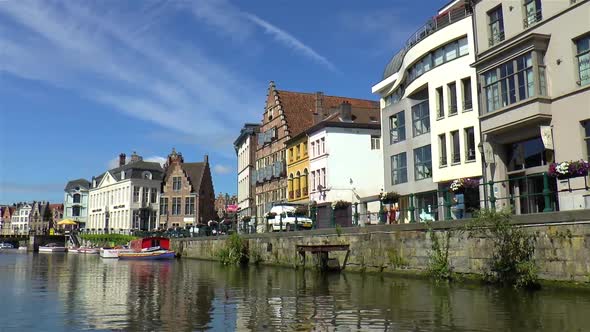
(187, 193)
(125, 198)
(286, 115)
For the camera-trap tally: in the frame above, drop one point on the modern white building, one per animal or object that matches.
(429, 114)
(245, 146)
(76, 201)
(125, 198)
(20, 218)
(345, 157)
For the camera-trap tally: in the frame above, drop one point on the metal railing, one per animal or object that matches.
(436, 23)
(496, 38)
(532, 18)
(467, 105)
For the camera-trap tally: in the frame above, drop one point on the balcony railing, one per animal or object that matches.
(467, 105)
(496, 38)
(456, 158)
(452, 109)
(533, 18)
(436, 23)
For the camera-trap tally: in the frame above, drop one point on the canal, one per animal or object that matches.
(61, 292)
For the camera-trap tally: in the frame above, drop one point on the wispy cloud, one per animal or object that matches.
(157, 159)
(222, 169)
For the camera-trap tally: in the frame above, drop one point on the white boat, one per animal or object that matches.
(52, 247)
(83, 250)
(23, 248)
(113, 253)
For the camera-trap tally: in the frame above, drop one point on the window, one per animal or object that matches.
(496, 25)
(164, 205)
(147, 175)
(504, 86)
(442, 143)
(469, 144)
(583, 55)
(312, 149)
(463, 46)
(189, 206)
(76, 198)
(586, 125)
(399, 168)
(290, 154)
(135, 194)
(375, 142)
(154, 195)
(175, 206)
(76, 211)
(324, 177)
(452, 87)
(176, 183)
(297, 153)
(421, 118)
(146, 195)
(527, 154)
(313, 186)
(440, 108)
(532, 12)
(323, 140)
(422, 163)
(397, 127)
(451, 51)
(466, 88)
(455, 147)
(441, 55)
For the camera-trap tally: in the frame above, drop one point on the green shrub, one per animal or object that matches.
(234, 252)
(338, 230)
(107, 239)
(439, 267)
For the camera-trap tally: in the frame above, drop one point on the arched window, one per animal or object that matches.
(147, 175)
(298, 185)
(76, 198)
(304, 177)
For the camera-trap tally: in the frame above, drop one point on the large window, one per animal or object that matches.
(399, 168)
(586, 125)
(153, 195)
(422, 163)
(440, 105)
(176, 183)
(583, 55)
(467, 100)
(136, 194)
(164, 205)
(421, 118)
(397, 127)
(439, 56)
(442, 149)
(532, 12)
(76, 198)
(509, 83)
(189, 206)
(452, 87)
(176, 202)
(496, 25)
(146, 195)
(455, 147)
(469, 143)
(75, 211)
(527, 154)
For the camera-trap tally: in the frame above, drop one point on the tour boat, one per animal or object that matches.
(52, 247)
(113, 252)
(149, 248)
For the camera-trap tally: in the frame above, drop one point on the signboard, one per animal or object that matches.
(51, 231)
(547, 137)
(189, 219)
(232, 208)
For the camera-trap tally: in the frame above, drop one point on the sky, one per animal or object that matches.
(83, 81)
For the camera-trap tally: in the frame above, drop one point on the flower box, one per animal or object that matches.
(460, 185)
(568, 169)
(389, 197)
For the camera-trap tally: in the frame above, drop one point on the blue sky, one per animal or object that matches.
(82, 81)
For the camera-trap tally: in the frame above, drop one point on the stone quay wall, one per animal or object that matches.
(562, 246)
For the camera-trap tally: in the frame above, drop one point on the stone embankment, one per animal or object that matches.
(562, 249)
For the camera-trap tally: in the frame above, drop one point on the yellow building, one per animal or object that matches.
(297, 169)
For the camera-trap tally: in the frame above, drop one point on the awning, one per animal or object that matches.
(67, 222)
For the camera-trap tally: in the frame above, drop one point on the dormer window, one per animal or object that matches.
(147, 175)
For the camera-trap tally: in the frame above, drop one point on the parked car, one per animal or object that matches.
(6, 245)
(285, 215)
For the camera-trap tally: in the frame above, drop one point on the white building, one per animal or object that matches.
(76, 201)
(345, 157)
(126, 198)
(245, 146)
(429, 112)
(20, 219)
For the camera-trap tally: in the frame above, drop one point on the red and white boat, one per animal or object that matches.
(149, 248)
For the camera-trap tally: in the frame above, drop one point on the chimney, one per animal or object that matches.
(122, 159)
(135, 157)
(206, 159)
(345, 112)
(319, 105)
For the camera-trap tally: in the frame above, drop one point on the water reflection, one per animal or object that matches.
(76, 292)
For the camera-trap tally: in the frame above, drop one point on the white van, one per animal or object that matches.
(286, 213)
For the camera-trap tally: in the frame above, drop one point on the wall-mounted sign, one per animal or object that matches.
(97, 210)
(119, 207)
(547, 137)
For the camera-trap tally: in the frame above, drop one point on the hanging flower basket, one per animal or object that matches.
(568, 169)
(337, 205)
(389, 197)
(460, 185)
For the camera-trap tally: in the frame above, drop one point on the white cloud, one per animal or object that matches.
(222, 169)
(158, 159)
(113, 163)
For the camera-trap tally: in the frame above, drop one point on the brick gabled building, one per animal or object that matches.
(187, 196)
(287, 114)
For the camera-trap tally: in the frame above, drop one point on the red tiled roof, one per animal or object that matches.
(298, 108)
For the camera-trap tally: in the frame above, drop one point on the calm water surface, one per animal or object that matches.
(61, 292)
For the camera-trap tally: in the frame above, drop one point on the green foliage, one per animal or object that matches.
(439, 267)
(338, 230)
(255, 256)
(108, 239)
(395, 259)
(235, 251)
(512, 261)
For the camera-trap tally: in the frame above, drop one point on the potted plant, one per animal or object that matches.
(459, 185)
(340, 204)
(389, 197)
(569, 169)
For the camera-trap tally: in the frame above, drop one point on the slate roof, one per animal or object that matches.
(83, 183)
(194, 172)
(134, 170)
(298, 107)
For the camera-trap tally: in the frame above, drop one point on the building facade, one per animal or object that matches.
(245, 146)
(20, 218)
(187, 193)
(298, 169)
(533, 66)
(6, 227)
(429, 116)
(76, 201)
(125, 198)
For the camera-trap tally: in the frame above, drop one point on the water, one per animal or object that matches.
(61, 292)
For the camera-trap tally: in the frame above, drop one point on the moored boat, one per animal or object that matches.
(148, 255)
(149, 248)
(83, 250)
(52, 247)
(113, 252)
